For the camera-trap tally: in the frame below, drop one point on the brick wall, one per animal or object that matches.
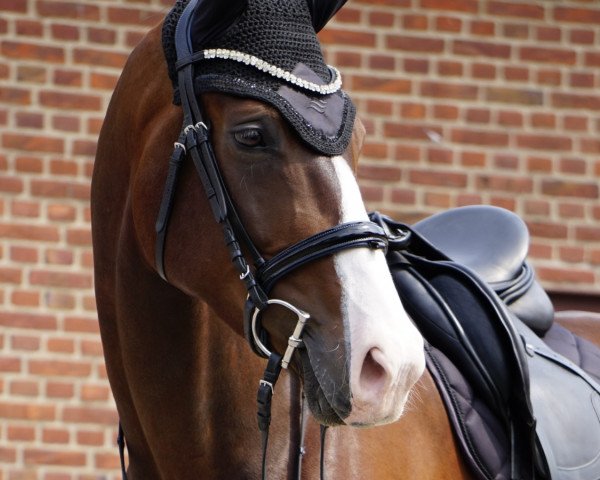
(464, 102)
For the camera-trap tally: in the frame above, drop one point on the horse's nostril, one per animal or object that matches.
(373, 375)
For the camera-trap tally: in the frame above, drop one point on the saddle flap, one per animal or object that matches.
(566, 403)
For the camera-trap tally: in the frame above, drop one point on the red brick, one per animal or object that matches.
(415, 22)
(467, 6)
(55, 99)
(50, 278)
(547, 55)
(134, 16)
(504, 183)
(18, 433)
(479, 137)
(544, 142)
(448, 24)
(543, 120)
(549, 77)
(54, 457)
(381, 19)
(25, 299)
(28, 232)
(482, 28)
(413, 110)
(381, 84)
(481, 49)
(578, 15)
(375, 150)
(379, 172)
(582, 80)
(438, 178)
(68, 78)
(577, 166)
(65, 32)
(567, 276)
(547, 230)
(403, 196)
(30, 51)
(105, 36)
(96, 57)
(582, 37)
(101, 81)
(23, 254)
(16, 6)
(33, 143)
(448, 68)
(515, 9)
(61, 368)
(566, 188)
(539, 164)
(414, 44)
(416, 65)
(25, 209)
(77, 11)
(24, 411)
(29, 28)
(30, 120)
(97, 415)
(516, 31)
(548, 34)
(410, 131)
(391, 3)
(90, 438)
(516, 74)
(458, 91)
(60, 189)
(382, 62)
(347, 37)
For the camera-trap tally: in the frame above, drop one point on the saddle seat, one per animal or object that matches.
(493, 242)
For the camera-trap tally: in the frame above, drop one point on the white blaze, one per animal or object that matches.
(379, 328)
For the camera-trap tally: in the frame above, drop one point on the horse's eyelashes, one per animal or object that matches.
(250, 137)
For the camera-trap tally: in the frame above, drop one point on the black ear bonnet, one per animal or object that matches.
(268, 50)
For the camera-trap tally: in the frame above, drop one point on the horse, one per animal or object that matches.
(182, 374)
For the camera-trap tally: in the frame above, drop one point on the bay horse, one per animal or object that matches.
(182, 374)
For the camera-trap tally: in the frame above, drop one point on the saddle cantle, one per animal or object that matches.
(519, 410)
(494, 243)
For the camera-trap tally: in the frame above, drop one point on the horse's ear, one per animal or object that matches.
(356, 143)
(212, 18)
(322, 11)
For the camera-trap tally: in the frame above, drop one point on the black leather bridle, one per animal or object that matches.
(259, 279)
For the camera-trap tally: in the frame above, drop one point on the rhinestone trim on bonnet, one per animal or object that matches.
(275, 71)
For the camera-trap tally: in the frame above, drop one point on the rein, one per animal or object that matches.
(194, 142)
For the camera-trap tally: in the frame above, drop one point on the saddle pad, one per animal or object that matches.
(495, 375)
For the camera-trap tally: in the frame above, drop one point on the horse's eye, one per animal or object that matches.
(250, 137)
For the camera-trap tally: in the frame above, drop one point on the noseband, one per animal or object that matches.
(261, 277)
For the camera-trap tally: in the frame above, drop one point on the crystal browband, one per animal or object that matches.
(277, 72)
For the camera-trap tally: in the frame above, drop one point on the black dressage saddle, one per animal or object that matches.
(519, 409)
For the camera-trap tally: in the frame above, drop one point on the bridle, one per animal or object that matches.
(194, 142)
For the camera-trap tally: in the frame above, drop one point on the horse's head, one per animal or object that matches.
(286, 154)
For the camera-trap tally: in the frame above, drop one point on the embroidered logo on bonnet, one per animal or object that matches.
(268, 50)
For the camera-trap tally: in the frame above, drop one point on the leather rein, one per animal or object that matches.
(194, 142)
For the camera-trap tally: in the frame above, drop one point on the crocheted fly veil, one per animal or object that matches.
(268, 50)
